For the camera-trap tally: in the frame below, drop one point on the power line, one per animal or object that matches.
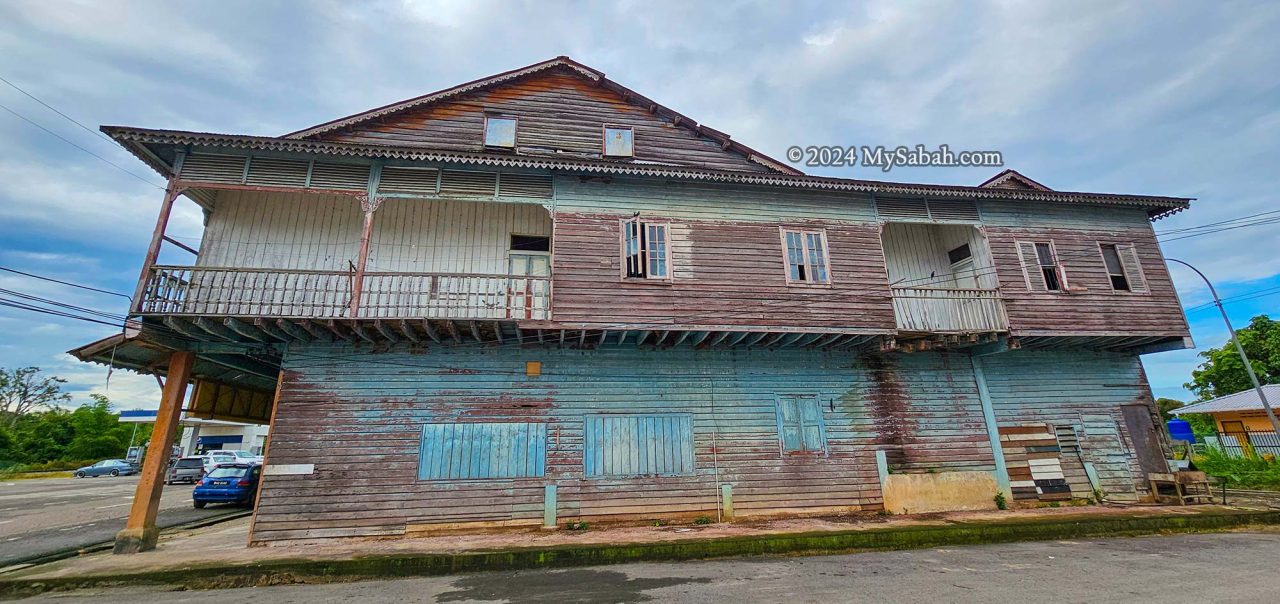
(55, 110)
(67, 283)
(68, 141)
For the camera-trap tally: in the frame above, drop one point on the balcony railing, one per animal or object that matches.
(923, 309)
(252, 292)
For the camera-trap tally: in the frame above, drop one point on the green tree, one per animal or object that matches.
(1222, 371)
(1167, 406)
(24, 390)
(97, 432)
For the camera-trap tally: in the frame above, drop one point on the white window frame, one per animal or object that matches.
(809, 260)
(515, 133)
(604, 139)
(1064, 285)
(646, 248)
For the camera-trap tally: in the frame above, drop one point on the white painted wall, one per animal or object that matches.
(322, 232)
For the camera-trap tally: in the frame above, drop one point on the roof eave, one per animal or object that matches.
(133, 138)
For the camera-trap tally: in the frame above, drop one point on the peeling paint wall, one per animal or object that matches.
(358, 415)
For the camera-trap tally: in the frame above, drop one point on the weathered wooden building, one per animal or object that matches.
(541, 296)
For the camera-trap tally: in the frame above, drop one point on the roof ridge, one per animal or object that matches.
(630, 96)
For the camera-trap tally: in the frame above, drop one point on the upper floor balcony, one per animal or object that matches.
(942, 280)
(319, 294)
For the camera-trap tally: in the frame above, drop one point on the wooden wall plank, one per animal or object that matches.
(357, 416)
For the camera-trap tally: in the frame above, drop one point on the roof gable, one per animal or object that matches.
(1012, 179)
(561, 106)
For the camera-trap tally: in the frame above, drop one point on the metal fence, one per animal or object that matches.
(1245, 444)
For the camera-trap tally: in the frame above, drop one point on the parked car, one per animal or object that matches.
(187, 469)
(107, 467)
(222, 456)
(228, 483)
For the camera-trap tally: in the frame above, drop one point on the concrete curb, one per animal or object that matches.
(80, 550)
(288, 571)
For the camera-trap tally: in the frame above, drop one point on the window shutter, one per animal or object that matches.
(789, 424)
(1031, 266)
(1132, 268)
(811, 416)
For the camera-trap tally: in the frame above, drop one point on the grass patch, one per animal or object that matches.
(1240, 472)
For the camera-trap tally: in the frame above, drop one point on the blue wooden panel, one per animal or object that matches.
(658, 444)
(482, 450)
(800, 425)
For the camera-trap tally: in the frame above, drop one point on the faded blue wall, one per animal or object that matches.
(358, 417)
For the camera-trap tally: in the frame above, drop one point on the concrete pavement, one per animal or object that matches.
(1222, 567)
(40, 516)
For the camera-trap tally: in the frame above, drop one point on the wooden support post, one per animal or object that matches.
(157, 237)
(357, 283)
(369, 202)
(140, 532)
(993, 428)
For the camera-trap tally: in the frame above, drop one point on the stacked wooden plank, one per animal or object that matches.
(1032, 455)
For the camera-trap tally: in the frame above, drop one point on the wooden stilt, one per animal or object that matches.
(369, 203)
(140, 532)
(157, 237)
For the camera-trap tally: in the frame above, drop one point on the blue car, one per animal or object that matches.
(107, 467)
(228, 483)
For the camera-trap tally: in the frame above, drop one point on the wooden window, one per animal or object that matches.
(619, 141)
(806, 256)
(645, 250)
(1040, 266)
(468, 451)
(500, 132)
(800, 426)
(1123, 267)
(658, 444)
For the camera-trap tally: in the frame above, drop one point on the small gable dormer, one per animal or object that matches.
(1012, 179)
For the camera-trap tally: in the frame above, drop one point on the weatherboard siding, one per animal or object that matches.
(358, 416)
(557, 113)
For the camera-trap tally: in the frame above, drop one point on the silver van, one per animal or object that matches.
(186, 469)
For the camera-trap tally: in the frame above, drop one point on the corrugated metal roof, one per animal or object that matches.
(132, 138)
(1240, 401)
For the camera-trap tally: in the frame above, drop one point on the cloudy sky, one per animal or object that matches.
(1167, 98)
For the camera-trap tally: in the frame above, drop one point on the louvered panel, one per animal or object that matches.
(339, 176)
(524, 185)
(409, 181)
(1031, 266)
(270, 171)
(213, 168)
(468, 451)
(1132, 268)
(659, 444)
(468, 184)
(902, 209)
(954, 210)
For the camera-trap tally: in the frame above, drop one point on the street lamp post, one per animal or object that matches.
(1262, 396)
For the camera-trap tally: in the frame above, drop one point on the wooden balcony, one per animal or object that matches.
(940, 310)
(311, 294)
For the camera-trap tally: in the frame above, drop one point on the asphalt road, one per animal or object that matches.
(1225, 567)
(46, 515)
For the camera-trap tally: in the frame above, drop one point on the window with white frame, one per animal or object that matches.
(806, 256)
(1040, 266)
(500, 131)
(645, 249)
(619, 141)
